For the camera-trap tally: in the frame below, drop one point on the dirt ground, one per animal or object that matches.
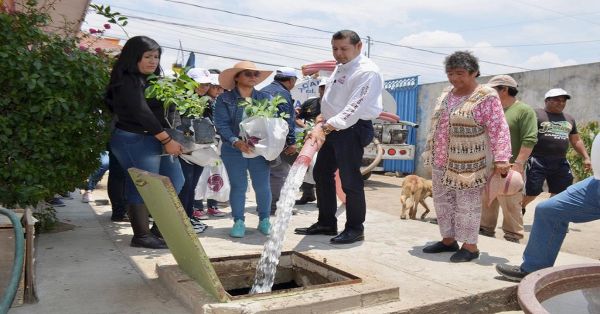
(383, 194)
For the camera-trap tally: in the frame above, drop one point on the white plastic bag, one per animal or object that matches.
(267, 135)
(202, 155)
(213, 183)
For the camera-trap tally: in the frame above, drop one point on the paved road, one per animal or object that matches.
(383, 194)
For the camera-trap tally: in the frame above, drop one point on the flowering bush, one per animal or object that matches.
(53, 124)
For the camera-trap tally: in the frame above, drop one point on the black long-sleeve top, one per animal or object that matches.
(134, 112)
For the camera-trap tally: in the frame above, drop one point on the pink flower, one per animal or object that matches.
(82, 48)
(93, 31)
(107, 26)
(98, 50)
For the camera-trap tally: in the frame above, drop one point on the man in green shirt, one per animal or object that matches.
(522, 123)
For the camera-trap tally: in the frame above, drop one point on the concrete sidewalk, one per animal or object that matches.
(92, 268)
(83, 270)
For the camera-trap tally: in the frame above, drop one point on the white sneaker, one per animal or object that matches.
(87, 197)
(198, 226)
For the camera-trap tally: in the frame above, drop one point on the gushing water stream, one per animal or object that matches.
(267, 265)
(265, 271)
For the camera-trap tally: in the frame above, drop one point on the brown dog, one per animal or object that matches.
(414, 191)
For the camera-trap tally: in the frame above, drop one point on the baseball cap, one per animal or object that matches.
(502, 80)
(201, 76)
(214, 79)
(323, 81)
(286, 72)
(555, 92)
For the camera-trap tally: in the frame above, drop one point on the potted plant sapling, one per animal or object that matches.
(180, 93)
(265, 127)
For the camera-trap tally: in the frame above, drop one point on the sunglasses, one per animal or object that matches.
(251, 73)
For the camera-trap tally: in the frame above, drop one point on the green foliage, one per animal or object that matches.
(301, 136)
(178, 91)
(53, 125)
(264, 108)
(587, 132)
(113, 17)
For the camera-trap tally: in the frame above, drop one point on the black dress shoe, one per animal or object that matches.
(305, 199)
(463, 255)
(440, 247)
(348, 236)
(317, 229)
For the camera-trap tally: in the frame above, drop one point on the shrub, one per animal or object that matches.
(587, 132)
(53, 125)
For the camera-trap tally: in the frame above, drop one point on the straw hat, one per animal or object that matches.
(226, 77)
(509, 185)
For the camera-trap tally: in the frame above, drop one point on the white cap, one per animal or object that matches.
(323, 81)
(214, 79)
(555, 92)
(286, 72)
(201, 76)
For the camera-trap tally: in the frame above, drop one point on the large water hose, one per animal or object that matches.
(17, 268)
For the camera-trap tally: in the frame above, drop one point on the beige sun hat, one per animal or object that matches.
(226, 77)
(497, 185)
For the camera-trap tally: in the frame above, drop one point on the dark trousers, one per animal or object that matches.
(308, 189)
(191, 174)
(116, 186)
(343, 150)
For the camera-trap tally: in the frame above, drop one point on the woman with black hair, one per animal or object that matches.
(139, 139)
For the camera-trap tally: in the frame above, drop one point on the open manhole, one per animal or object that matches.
(295, 272)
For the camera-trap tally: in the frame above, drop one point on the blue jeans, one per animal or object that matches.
(237, 167)
(143, 151)
(578, 203)
(209, 203)
(191, 173)
(97, 175)
(116, 185)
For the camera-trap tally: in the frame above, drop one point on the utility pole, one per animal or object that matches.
(369, 46)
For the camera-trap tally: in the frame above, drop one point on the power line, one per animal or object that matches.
(251, 16)
(330, 32)
(297, 44)
(573, 16)
(521, 45)
(255, 30)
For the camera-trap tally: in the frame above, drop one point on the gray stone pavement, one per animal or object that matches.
(92, 269)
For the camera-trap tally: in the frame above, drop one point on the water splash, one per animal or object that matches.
(267, 265)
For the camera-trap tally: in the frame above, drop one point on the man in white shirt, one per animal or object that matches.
(579, 203)
(352, 99)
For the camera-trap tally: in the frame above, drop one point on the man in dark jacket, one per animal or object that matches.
(284, 81)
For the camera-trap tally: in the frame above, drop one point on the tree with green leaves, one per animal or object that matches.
(53, 123)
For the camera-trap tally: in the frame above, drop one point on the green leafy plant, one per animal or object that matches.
(301, 136)
(587, 132)
(115, 18)
(53, 122)
(264, 108)
(178, 91)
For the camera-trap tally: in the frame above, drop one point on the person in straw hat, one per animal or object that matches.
(239, 81)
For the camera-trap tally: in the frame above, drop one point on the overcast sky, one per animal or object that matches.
(510, 35)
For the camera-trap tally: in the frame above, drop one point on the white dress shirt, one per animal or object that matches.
(352, 92)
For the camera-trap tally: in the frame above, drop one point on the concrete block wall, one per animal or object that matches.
(581, 81)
